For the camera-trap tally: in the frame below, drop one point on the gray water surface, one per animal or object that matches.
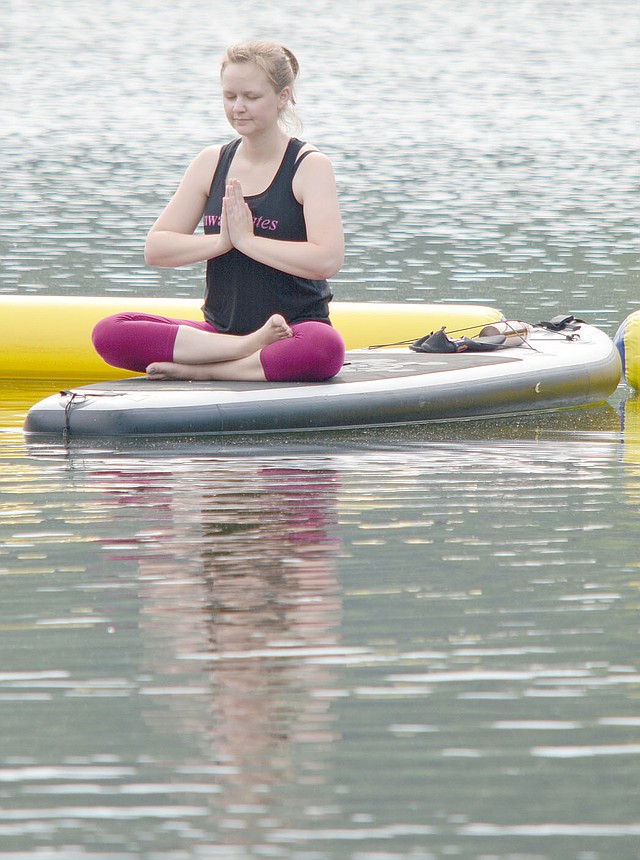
(427, 649)
(417, 643)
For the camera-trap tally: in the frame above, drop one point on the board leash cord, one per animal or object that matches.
(75, 398)
(500, 335)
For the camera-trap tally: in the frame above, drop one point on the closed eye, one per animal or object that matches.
(249, 96)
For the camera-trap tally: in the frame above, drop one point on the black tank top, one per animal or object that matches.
(241, 293)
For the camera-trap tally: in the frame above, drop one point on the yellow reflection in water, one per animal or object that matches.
(631, 430)
(17, 396)
(631, 448)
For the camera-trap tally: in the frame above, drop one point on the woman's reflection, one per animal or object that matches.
(246, 592)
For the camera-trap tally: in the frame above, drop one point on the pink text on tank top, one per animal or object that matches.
(259, 222)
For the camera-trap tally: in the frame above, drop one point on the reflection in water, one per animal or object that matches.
(420, 650)
(251, 595)
(16, 398)
(630, 421)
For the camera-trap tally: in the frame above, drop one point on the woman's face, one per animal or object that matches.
(250, 102)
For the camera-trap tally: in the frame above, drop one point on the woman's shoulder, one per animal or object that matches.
(309, 154)
(203, 165)
(208, 155)
(312, 164)
(303, 147)
(313, 170)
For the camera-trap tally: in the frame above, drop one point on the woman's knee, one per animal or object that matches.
(104, 337)
(314, 353)
(329, 354)
(132, 341)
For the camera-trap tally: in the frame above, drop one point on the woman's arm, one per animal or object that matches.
(322, 255)
(171, 241)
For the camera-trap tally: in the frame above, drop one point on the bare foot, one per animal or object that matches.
(241, 370)
(275, 328)
(172, 370)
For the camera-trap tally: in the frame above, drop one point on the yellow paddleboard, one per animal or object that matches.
(49, 337)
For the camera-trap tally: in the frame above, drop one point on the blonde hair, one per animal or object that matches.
(279, 65)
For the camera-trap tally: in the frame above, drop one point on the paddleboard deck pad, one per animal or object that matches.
(375, 388)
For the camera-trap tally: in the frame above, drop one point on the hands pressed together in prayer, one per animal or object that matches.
(236, 224)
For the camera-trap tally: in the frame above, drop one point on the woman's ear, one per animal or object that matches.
(284, 98)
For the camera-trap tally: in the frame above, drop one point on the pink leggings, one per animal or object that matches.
(135, 340)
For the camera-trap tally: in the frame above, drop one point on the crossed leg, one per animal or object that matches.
(169, 348)
(201, 355)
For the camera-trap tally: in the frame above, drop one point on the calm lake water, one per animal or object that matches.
(415, 644)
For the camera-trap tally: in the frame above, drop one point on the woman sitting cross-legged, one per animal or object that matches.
(272, 236)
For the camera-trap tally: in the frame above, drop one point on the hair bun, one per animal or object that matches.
(295, 66)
